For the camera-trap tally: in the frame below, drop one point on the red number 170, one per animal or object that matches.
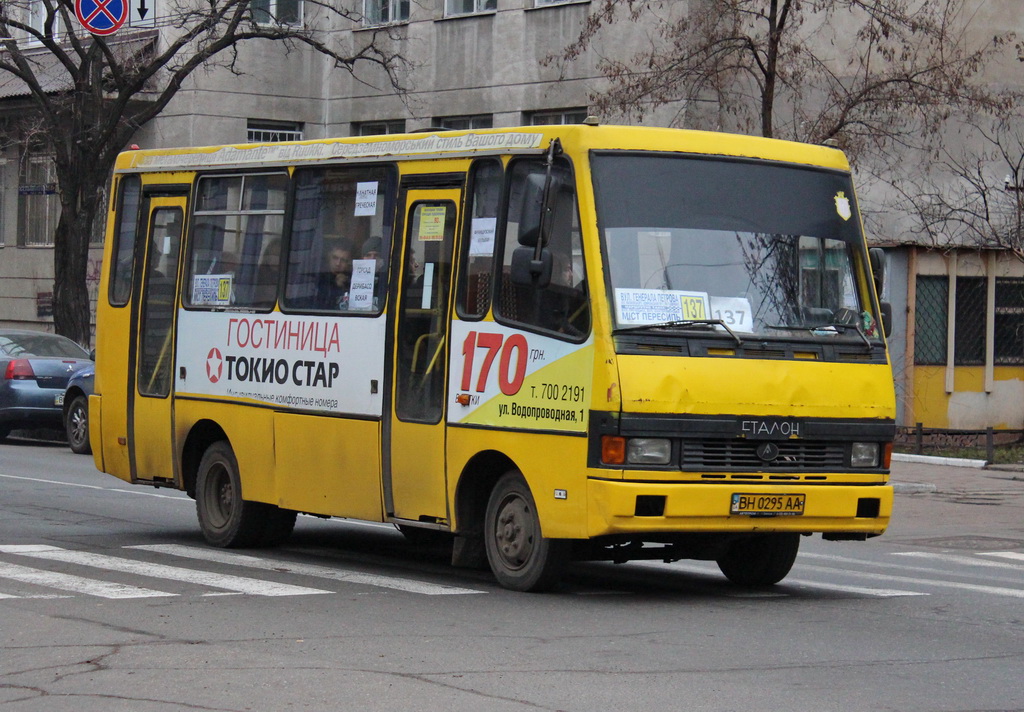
(510, 383)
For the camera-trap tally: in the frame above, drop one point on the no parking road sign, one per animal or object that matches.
(102, 17)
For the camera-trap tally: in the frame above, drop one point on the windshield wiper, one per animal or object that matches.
(834, 325)
(682, 323)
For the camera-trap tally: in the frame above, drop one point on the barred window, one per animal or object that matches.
(38, 202)
(462, 123)
(377, 128)
(272, 131)
(558, 116)
(971, 308)
(1009, 321)
(930, 320)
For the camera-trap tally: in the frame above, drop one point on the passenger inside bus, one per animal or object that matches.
(333, 284)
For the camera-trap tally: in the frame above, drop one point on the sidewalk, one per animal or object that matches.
(920, 474)
(956, 506)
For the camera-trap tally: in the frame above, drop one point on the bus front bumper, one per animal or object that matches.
(616, 507)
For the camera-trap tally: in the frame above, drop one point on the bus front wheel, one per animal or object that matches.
(759, 560)
(226, 519)
(521, 559)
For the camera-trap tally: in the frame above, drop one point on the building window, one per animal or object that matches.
(272, 131)
(377, 128)
(971, 302)
(559, 116)
(453, 8)
(382, 12)
(930, 320)
(277, 12)
(38, 11)
(1009, 321)
(462, 123)
(38, 203)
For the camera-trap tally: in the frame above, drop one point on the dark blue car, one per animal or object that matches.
(76, 409)
(34, 372)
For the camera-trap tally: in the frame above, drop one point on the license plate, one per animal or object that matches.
(767, 505)
(58, 399)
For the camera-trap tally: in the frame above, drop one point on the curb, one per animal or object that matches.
(930, 460)
(913, 488)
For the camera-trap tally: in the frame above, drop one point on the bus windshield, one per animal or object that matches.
(730, 247)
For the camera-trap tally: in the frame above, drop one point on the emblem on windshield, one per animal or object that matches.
(843, 206)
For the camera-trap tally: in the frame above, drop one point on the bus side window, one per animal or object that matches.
(563, 305)
(340, 244)
(480, 228)
(129, 204)
(239, 220)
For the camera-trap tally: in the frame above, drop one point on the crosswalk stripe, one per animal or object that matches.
(790, 581)
(1013, 555)
(960, 559)
(335, 574)
(70, 582)
(862, 590)
(174, 573)
(979, 588)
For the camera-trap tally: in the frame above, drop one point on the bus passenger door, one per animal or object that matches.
(414, 477)
(150, 402)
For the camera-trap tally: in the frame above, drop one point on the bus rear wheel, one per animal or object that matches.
(521, 559)
(759, 560)
(226, 519)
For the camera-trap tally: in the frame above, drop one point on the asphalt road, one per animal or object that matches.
(109, 601)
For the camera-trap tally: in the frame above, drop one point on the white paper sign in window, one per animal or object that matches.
(481, 242)
(360, 290)
(656, 306)
(734, 312)
(366, 198)
(211, 290)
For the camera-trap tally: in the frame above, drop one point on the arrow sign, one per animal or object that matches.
(142, 10)
(102, 17)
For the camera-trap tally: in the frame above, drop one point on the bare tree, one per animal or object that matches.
(870, 73)
(87, 95)
(974, 194)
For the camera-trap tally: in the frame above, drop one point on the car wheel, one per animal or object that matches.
(760, 560)
(521, 559)
(76, 424)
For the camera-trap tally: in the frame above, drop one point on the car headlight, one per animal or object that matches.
(648, 451)
(864, 455)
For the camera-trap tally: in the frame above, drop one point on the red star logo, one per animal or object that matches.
(214, 365)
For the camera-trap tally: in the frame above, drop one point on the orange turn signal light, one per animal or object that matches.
(613, 449)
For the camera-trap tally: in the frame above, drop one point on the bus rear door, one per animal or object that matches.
(150, 401)
(414, 479)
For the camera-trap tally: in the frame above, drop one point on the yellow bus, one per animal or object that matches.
(546, 344)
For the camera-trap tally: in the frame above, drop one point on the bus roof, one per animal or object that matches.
(481, 142)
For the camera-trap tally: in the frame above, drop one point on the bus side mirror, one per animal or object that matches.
(886, 308)
(530, 271)
(877, 257)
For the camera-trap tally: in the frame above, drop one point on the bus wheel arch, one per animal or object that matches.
(473, 491)
(202, 435)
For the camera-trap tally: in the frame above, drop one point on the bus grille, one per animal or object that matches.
(741, 455)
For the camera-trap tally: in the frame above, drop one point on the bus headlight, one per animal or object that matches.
(648, 451)
(864, 455)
